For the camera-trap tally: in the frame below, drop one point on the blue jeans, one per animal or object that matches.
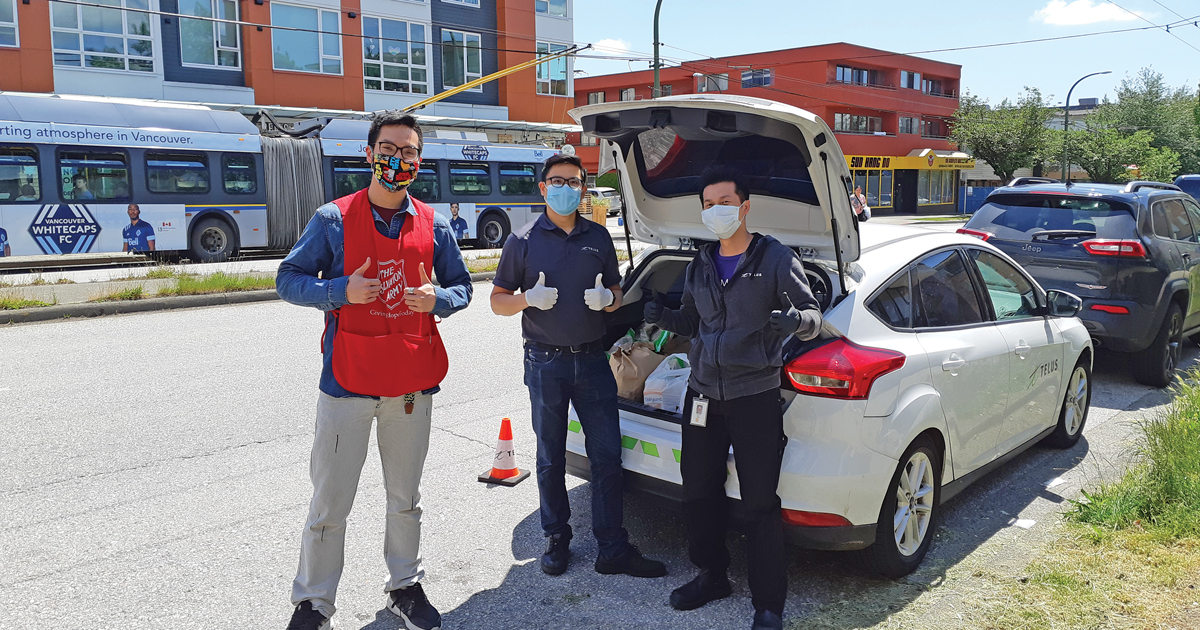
(555, 379)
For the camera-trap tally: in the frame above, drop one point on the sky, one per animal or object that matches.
(695, 29)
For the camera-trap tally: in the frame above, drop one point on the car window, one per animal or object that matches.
(1012, 295)
(1020, 217)
(945, 295)
(1171, 220)
(1193, 211)
(893, 304)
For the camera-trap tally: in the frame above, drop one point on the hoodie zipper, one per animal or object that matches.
(745, 259)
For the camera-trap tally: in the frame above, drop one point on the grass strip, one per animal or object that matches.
(132, 293)
(219, 282)
(13, 302)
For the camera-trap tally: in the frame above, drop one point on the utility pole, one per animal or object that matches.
(657, 87)
(1066, 169)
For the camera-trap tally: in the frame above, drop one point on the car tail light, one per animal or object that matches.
(814, 519)
(841, 369)
(1110, 308)
(983, 236)
(1114, 247)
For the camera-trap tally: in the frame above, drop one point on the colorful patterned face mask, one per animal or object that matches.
(393, 173)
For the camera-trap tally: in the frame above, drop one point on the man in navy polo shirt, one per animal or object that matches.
(138, 235)
(566, 269)
(5, 248)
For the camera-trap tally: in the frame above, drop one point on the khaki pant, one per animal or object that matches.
(339, 451)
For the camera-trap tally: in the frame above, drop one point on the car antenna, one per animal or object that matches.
(837, 240)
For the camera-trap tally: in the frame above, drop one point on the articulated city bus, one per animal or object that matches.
(80, 175)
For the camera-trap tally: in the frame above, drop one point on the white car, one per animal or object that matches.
(939, 360)
(614, 200)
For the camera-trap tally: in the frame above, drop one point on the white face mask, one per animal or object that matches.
(722, 220)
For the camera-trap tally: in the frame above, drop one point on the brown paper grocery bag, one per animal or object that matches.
(632, 367)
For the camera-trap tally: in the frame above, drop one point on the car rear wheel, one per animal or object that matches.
(1155, 366)
(906, 520)
(1075, 408)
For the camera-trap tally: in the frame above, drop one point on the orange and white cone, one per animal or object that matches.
(504, 466)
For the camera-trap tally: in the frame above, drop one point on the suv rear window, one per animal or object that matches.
(1190, 185)
(1020, 217)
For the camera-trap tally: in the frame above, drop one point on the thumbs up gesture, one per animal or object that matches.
(540, 296)
(598, 298)
(361, 289)
(654, 310)
(786, 322)
(421, 299)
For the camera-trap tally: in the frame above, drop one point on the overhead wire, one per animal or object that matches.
(1168, 28)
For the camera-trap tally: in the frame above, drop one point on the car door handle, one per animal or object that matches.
(953, 363)
(1022, 348)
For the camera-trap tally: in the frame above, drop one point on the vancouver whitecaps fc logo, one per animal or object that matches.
(64, 229)
(391, 283)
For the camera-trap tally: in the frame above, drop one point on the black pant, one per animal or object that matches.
(754, 426)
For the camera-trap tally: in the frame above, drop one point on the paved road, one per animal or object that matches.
(155, 476)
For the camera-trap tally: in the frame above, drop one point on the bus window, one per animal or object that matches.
(470, 178)
(426, 187)
(239, 173)
(350, 175)
(518, 179)
(177, 172)
(19, 179)
(93, 175)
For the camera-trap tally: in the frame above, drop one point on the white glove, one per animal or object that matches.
(598, 298)
(541, 296)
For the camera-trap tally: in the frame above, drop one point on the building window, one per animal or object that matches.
(394, 56)
(462, 60)
(932, 129)
(93, 37)
(908, 124)
(664, 90)
(934, 187)
(8, 22)
(859, 76)
(207, 43)
(595, 97)
(552, 76)
(470, 3)
(306, 51)
(713, 83)
(757, 78)
(556, 8)
(910, 80)
(876, 185)
(627, 94)
(588, 140)
(932, 86)
(852, 123)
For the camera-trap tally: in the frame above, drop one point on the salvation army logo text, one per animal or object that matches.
(64, 229)
(391, 284)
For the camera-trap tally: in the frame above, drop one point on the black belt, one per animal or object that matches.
(586, 348)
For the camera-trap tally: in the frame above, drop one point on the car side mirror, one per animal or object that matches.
(1063, 304)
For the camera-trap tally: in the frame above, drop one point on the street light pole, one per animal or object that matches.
(657, 88)
(1067, 128)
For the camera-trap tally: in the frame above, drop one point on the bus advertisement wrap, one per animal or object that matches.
(60, 134)
(461, 217)
(93, 228)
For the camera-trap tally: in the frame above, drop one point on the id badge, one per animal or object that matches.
(699, 411)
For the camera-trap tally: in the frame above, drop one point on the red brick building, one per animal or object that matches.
(890, 112)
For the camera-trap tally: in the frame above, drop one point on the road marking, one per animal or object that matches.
(1057, 481)
(1024, 523)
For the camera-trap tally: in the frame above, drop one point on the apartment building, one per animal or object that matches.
(890, 112)
(328, 54)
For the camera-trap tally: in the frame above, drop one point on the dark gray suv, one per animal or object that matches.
(1131, 252)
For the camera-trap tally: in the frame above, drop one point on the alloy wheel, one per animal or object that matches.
(914, 504)
(1174, 344)
(1077, 400)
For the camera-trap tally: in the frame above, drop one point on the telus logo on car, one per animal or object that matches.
(1042, 371)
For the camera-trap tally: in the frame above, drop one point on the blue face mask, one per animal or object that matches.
(563, 199)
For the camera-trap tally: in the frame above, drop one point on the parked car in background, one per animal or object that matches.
(1189, 184)
(938, 361)
(1130, 251)
(610, 194)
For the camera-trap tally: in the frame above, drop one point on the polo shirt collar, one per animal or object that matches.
(545, 223)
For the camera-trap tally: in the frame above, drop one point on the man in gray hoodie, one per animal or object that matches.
(742, 298)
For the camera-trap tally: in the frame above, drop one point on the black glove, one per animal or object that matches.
(654, 310)
(785, 322)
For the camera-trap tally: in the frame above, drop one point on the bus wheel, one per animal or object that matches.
(493, 230)
(212, 241)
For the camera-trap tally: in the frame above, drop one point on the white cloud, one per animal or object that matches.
(611, 47)
(1062, 13)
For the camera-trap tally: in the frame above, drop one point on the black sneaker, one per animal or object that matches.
(706, 587)
(305, 618)
(767, 620)
(558, 552)
(410, 605)
(631, 563)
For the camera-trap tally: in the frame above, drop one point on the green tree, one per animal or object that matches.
(1008, 136)
(1106, 151)
(1160, 165)
(1146, 103)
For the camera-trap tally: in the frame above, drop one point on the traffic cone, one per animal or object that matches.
(504, 467)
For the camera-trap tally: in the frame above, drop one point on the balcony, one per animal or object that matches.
(934, 136)
(851, 132)
(953, 95)
(879, 86)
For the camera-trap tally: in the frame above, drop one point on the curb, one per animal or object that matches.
(98, 309)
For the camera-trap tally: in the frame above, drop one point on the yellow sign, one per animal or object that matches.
(916, 162)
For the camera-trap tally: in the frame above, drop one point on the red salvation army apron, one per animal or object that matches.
(384, 348)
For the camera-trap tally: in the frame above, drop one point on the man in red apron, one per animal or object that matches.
(365, 260)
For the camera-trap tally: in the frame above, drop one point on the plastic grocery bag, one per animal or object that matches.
(631, 364)
(667, 385)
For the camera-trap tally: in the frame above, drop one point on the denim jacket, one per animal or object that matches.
(321, 249)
